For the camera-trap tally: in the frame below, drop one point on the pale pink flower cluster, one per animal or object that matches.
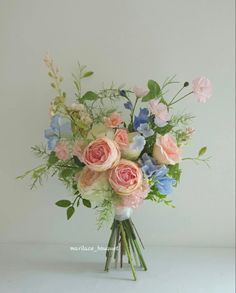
(160, 111)
(202, 88)
(113, 121)
(62, 151)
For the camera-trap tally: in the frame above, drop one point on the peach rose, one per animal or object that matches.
(121, 138)
(93, 185)
(113, 120)
(101, 154)
(126, 177)
(166, 151)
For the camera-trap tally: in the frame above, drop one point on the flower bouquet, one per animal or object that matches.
(114, 162)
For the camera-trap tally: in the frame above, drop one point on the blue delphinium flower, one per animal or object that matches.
(60, 127)
(141, 118)
(138, 143)
(145, 130)
(158, 174)
(128, 105)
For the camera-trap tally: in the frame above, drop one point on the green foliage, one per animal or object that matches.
(202, 151)
(52, 159)
(105, 212)
(87, 74)
(89, 96)
(154, 91)
(175, 172)
(70, 211)
(86, 203)
(64, 203)
(156, 196)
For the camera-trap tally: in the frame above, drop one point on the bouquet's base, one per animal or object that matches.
(124, 240)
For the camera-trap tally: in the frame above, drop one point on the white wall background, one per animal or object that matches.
(123, 41)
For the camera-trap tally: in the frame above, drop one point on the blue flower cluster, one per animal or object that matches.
(157, 173)
(60, 127)
(141, 123)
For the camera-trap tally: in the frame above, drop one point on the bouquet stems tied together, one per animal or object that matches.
(124, 240)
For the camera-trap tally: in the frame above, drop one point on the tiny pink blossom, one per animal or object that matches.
(62, 151)
(202, 88)
(139, 92)
(47, 59)
(113, 121)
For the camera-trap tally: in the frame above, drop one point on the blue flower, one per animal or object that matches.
(138, 143)
(145, 130)
(141, 118)
(158, 174)
(60, 127)
(128, 105)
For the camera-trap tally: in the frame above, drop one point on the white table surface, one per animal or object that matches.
(39, 268)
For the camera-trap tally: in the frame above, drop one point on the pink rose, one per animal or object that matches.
(121, 138)
(139, 92)
(166, 151)
(114, 120)
(87, 177)
(202, 88)
(136, 198)
(126, 177)
(101, 154)
(160, 111)
(62, 151)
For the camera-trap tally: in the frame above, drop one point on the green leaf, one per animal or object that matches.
(89, 96)
(86, 203)
(66, 173)
(88, 73)
(148, 97)
(202, 151)
(70, 211)
(52, 159)
(154, 87)
(175, 172)
(64, 203)
(78, 202)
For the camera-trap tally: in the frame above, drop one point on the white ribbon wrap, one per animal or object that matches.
(123, 213)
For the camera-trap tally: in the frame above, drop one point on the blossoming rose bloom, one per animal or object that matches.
(126, 177)
(93, 185)
(101, 154)
(166, 151)
(121, 137)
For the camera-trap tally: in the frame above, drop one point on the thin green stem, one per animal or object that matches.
(172, 100)
(127, 251)
(180, 98)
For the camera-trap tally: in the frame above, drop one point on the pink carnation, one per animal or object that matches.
(202, 88)
(160, 111)
(136, 198)
(62, 151)
(113, 121)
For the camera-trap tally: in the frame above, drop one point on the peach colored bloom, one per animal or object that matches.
(121, 138)
(136, 198)
(93, 185)
(166, 151)
(62, 151)
(101, 154)
(139, 92)
(126, 177)
(114, 120)
(202, 88)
